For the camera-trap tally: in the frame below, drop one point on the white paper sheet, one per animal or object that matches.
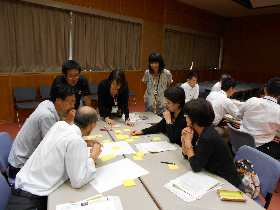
(125, 148)
(112, 175)
(133, 117)
(155, 146)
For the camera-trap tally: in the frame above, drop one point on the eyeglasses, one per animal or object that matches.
(71, 102)
(73, 76)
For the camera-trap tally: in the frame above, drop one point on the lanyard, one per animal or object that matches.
(115, 99)
(270, 100)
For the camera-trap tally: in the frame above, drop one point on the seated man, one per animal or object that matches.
(190, 87)
(39, 123)
(71, 76)
(261, 118)
(222, 104)
(218, 85)
(61, 155)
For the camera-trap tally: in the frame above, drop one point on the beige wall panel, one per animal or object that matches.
(133, 8)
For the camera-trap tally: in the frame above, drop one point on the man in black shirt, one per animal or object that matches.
(71, 75)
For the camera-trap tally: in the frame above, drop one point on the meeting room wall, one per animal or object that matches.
(252, 48)
(154, 15)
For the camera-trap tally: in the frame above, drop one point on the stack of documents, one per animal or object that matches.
(155, 146)
(97, 202)
(192, 186)
(133, 117)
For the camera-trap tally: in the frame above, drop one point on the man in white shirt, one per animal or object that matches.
(61, 155)
(222, 104)
(62, 100)
(190, 87)
(261, 118)
(218, 85)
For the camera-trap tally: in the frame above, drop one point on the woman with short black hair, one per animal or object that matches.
(210, 151)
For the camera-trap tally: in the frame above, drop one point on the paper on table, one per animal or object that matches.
(195, 184)
(155, 146)
(125, 148)
(133, 117)
(123, 169)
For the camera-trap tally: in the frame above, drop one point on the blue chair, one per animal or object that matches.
(45, 91)
(239, 138)
(27, 97)
(267, 169)
(5, 192)
(6, 143)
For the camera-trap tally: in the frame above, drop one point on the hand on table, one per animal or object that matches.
(109, 121)
(136, 132)
(131, 124)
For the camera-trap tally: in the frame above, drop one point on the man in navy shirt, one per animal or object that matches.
(71, 75)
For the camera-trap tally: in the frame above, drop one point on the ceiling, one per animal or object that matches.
(230, 9)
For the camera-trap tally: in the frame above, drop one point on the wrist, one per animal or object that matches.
(127, 119)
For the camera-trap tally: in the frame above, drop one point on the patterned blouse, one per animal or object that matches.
(160, 83)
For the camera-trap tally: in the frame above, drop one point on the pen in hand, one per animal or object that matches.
(167, 162)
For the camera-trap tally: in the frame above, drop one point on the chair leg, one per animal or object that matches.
(18, 119)
(135, 102)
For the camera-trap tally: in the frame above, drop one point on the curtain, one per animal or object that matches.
(104, 44)
(206, 52)
(181, 50)
(34, 38)
(178, 50)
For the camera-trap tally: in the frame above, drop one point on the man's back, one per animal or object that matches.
(61, 155)
(261, 118)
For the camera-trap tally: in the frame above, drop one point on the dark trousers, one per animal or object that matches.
(271, 148)
(20, 199)
(13, 171)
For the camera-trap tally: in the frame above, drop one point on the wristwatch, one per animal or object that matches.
(127, 119)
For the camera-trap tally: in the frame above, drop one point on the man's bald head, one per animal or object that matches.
(85, 116)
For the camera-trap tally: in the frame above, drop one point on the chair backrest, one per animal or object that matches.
(25, 94)
(239, 138)
(179, 84)
(93, 87)
(5, 192)
(266, 167)
(45, 91)
(6, 143)
(202, 88)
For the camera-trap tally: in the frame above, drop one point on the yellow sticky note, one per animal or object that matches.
(171, 166)
(99, 135)
(135, 137)
(118, 131)
(140, 153)
(137, 158)
(91, 137)
(106, 141)
(105, 158)
(115, 148)
(156, 139)
(125, 136)
(126, 130)
(111, 156)
(128, 183)
(129, 140)
(131, 116)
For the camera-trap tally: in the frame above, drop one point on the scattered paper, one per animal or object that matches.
(107, 157)
(116, 148)
(137, 158)
(128, 183)
(106, 141)
(140, 153)
(173, 166)
(135, 137)
(118, 131)
(123, 169)
(133, 117)
(126, 130)
(129, 140)
(155, 146)
(155, 139)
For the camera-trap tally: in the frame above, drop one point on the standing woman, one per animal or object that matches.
(113, 95)
(157, 79)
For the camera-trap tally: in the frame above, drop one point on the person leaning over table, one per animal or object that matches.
(71, 76)
(158, 80)
(61, 155)
(113, 96)
(62, 100)
(174, 121)
(210, 151)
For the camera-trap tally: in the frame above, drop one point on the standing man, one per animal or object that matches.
(222, 104)
(218, 85)
(71, 75)
(190, 87)
(39, 123)
(261, 118)
(62, 155)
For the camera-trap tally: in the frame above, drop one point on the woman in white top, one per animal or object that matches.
(157, 79)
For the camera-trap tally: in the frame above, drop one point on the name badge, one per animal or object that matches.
(114, 109)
